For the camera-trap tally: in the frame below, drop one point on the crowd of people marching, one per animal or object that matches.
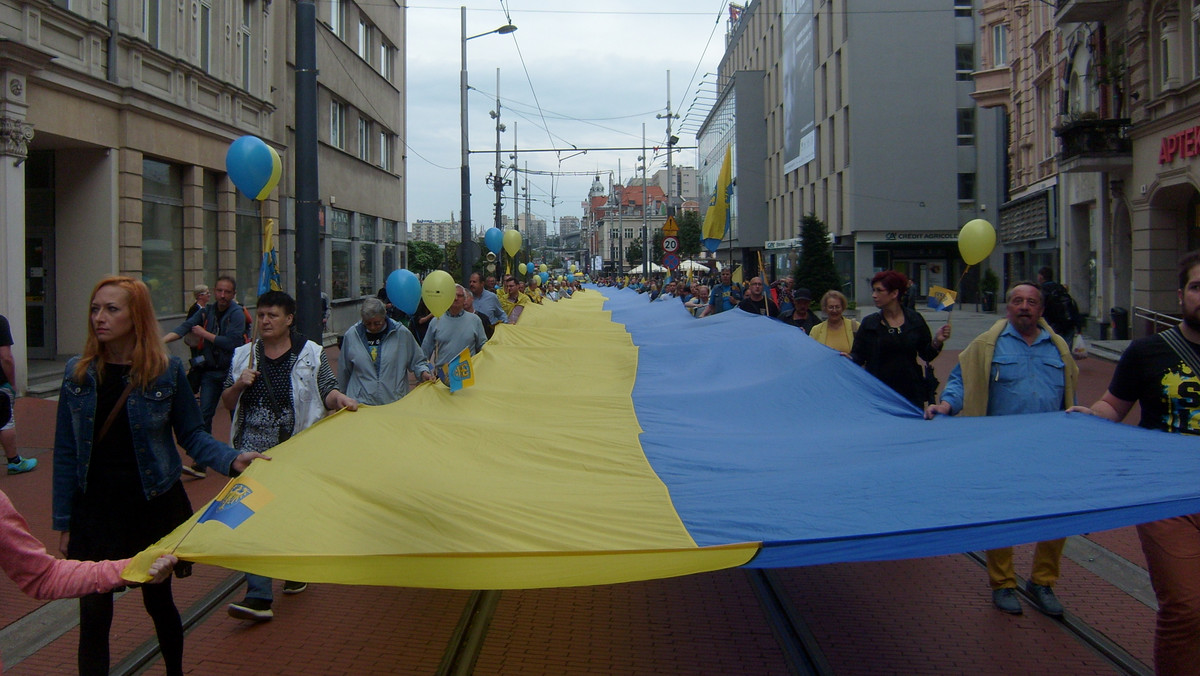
(126, 401)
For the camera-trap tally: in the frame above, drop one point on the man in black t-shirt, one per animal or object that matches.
(756, 302)
(1162, 373)
(8, 400)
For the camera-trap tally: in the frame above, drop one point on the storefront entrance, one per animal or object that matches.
(40, 319)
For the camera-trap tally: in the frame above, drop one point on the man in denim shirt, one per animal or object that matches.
(222, 327)
(1018, 366)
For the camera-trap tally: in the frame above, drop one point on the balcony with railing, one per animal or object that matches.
(993, 87)
(1095, 145)
(1079, 11)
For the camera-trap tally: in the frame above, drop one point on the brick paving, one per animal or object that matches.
(929, 615)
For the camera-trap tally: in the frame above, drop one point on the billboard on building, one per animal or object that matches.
(799, 85)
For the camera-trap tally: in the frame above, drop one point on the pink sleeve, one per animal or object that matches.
(26, 562)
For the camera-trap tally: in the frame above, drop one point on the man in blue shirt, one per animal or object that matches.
(1018, 366)
(724, 296)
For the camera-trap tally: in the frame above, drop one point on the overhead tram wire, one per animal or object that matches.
(713, 32)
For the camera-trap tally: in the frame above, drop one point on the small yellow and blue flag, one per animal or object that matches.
(237, 502)
(268, 273)
(459, 372)
(941, 298)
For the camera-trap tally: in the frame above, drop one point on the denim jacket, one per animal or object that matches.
(158, 416)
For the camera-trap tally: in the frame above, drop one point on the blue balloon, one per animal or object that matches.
(493, 239)
(404, 290)
(545, 276)
(252, 166)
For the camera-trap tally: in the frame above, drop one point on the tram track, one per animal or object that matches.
(800, 648)
(1116, 655)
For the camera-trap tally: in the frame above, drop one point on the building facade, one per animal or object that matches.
(858, 120)
(1131, 111)
(1021, 66)
(117, 120)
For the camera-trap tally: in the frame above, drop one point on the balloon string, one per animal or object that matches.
(956, 290)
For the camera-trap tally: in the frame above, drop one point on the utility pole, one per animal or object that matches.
(516, 181)
(645, 223)
(620, 219)
(671, 140)
(308, 261)
(498, 181)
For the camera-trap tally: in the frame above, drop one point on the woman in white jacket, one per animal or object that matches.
(277, 386)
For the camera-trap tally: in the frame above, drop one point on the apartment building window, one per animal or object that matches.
(249, 248)
(999, 45)
(385, 151)
(204, 35)
(244, 35)
(364, 40)
(1195, 37)
(364, 140)
(966, 187)
(964, 62)
(162, 234)
(962, 8)
(387, 60)
(339, 232)
(628, 233)
(151, 10)
(966, 126)
(337, 18)
(367, 272)
(337, 124)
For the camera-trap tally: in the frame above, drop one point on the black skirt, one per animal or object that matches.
(114, 520)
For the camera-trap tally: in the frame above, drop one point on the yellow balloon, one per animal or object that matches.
(521, 268)
(536, 281)
(976, 241)
(542, 268)
(512, 242)
(438, 292)
(573, 268)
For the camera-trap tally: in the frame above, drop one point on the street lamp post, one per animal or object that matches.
(465, 175)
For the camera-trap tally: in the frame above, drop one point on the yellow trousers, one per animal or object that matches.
(1046, 559)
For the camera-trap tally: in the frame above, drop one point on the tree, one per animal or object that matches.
(689, 234)
(633, 255)
(816, 271)
(424, 257)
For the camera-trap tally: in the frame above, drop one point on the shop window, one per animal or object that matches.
(340, 247)
(162, 235)
(248, 258)
(368, 275)
(209, 260)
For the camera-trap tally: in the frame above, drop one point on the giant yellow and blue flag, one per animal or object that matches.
(717, 216)
(268, 272)
(604, 472)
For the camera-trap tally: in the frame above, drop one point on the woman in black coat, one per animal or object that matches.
(889, 341)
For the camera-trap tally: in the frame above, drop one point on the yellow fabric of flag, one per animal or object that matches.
(469, 491)
(716, 217)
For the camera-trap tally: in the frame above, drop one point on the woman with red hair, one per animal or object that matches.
(124, 402)
(889, 341)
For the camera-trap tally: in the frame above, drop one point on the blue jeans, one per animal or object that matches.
(211, 385)
(259, 587)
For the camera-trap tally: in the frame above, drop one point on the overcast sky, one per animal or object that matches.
(574, 73)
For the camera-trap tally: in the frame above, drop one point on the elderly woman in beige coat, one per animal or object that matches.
(836, 331)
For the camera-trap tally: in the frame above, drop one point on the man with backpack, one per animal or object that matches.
(1060, 310)
(223, 328)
